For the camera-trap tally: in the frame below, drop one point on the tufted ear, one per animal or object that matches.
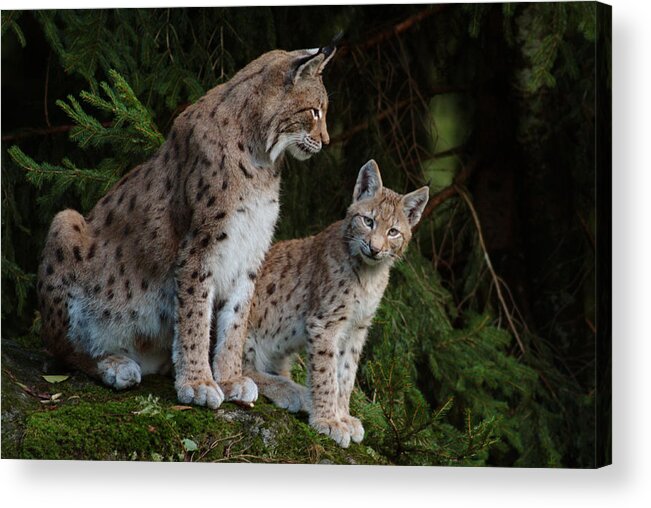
(328, 52)
(369, 182)
(307, 66)
(314, 62)
(414, 203)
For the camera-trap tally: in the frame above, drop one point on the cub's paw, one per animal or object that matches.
(240, 389)
(333, 428)
(119, 372)
(355, 427)
(289, 396)
(202, 393)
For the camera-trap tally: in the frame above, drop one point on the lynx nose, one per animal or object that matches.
(325, 137)
(373, 250)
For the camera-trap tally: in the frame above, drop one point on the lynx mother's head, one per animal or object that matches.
(294, 119)
(277, 103)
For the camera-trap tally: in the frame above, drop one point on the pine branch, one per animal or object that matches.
(89, 183)
(45, 131)
(132, 130)
(43, 172)
(9, 20)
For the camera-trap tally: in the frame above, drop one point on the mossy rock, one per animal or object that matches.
(78, 419)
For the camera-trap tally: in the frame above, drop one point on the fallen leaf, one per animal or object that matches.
(181, 408)
(55, 396)
(55, 379)
(189, 445)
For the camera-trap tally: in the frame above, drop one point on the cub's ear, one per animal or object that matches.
(369, 182)
(314, 62)
(414, 203)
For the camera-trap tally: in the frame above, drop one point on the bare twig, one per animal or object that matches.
(438, 199)
(393, 31)
(455, 150)
(213, 444)
(591, 325)
(344, 136)
(498, 287)
(588, 232)
(47, 84)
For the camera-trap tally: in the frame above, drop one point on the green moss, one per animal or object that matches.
(139, 428)
(88, 421)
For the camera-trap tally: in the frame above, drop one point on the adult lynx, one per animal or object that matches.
(177, 242)
(321, 293)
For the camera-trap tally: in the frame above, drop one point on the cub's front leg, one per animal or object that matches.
(323, 337)
(195, 292)
(348, 355)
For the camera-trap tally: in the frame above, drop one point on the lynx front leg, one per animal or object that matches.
(323, 337)
(232, 318)
(194, 382)
(348, 355)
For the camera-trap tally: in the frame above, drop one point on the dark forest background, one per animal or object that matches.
(483, 351)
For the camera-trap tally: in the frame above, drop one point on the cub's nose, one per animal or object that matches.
(373, 250)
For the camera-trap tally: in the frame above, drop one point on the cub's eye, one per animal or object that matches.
(368, 222)
(316, 113)
(393, 232)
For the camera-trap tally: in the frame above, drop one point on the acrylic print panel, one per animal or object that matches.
(142, 323)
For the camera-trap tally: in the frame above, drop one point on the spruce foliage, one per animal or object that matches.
(443, 379)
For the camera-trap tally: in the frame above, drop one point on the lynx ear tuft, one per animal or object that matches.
(329, 51)
(315, 61)
(369, 182)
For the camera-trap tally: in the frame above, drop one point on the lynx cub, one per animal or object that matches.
(321, 293)
(176, 245)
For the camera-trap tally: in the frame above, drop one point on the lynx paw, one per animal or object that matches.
(333, 428)
(119, 372)
(355, 428)
(241, 389)
(201, 393)
(291, 397)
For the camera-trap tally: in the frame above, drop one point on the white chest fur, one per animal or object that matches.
(249, 229)
(367, 298)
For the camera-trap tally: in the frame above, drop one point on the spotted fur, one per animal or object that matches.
(321, 293)
(176, 244)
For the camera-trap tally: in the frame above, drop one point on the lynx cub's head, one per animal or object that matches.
(379, 221)
(299, 123)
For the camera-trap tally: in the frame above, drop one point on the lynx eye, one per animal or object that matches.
(393, 232)
(316, 113)
(368, 222)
